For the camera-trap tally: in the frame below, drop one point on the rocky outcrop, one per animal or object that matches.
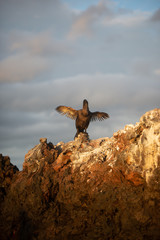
(7, 172)
(106, 188)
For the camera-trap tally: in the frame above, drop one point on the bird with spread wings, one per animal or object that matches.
(82, 117)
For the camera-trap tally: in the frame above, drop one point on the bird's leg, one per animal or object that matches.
(77, 133)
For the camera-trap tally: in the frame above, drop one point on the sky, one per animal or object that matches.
(59, 52)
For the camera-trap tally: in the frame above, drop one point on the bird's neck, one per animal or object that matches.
(85, 109)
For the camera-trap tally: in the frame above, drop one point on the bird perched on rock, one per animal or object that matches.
(82, 117)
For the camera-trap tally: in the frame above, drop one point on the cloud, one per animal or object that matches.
(157, 72)
(21, 67)
(156, 16)
(143, 68)
(105, 14)
(128, 19)
(103, 90)
(42, 44)
(83, 24)
(33, 15)
(30, 55)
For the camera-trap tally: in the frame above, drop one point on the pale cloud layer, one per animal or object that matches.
(130, 19)
(60, 52)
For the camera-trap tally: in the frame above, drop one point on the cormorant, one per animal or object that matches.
(82, 117)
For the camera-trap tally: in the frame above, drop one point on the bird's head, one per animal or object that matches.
(85, 102)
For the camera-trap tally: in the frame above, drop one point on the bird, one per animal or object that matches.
(82, 117)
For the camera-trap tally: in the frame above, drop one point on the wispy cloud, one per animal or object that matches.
(84, 21)
(156, 16)
(21, 67)
(128, 19)
(106, 14)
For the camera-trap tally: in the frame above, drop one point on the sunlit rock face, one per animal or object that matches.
(107, 188)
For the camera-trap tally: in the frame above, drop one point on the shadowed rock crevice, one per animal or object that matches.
(107, 188)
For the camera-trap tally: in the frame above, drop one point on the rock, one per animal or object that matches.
(107, 188)
(82, 137)
(43, 140)
(7, 172)
(36, 157)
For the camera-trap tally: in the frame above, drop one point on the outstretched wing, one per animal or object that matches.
(68, 111)
(99, 116)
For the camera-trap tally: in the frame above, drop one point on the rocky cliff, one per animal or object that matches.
(106, 188)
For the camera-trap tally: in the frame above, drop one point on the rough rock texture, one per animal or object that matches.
(88, 189)
(7, 171)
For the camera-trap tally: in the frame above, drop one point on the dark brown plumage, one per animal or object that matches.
(82, 116)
